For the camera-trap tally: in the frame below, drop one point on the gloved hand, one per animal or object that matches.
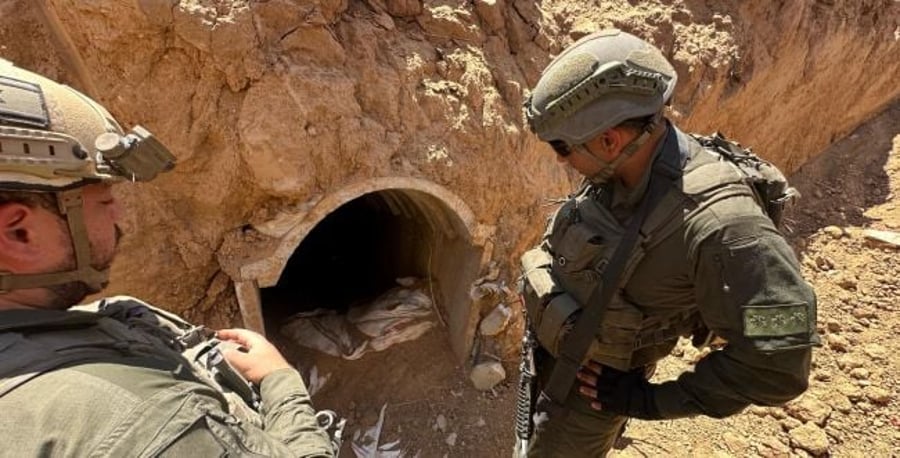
(623, 393)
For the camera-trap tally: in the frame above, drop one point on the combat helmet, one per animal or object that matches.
(55, 139)
(600, 81)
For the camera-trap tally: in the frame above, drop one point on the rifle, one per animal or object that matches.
(526, 396)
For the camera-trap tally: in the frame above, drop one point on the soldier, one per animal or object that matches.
(111, 379)
(670, 235)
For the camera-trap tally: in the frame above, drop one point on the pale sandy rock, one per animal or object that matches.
(837, 342)
(776, 445)
(834, 231)
(887, 238)
(860, 373)
(789, 423)
(863, 312)
(736, 443)
(822, 375)
(495, 322)
(850, 361)
(811, 438)
(876, 351)
(440, 423)
(853, 392)
(487, 375)
(878, 395)
(837, 401)
(809, 409)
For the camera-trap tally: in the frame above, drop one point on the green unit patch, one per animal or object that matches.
(776, 320)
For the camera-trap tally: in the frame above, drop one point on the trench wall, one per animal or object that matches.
(272, 105)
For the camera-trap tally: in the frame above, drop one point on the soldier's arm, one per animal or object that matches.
(289, 425)
(750, 291)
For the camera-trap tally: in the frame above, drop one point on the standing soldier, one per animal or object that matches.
(670, 235)
(118, 377)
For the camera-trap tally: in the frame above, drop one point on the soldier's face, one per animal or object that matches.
(588, 159)
(101, 213)
(101, 216)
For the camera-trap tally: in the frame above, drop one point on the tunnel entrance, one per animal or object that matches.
(352, 246)
(360, 250)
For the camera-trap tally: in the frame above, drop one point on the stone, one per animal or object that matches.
(440, 423)
(875, 351)
(811, 438)
(822, 376)
(837, 342)
(776, 445)
(451, 439)
(834, 231)
(863, 313)
(847, 281)
(736, 443)
(759, 411)
(789, 423)
(833, 325)
(837, 401)
(878, 395)
(809, 409)
(849, 362)
(853, 392)
(487, 375)
(495, 322)
(860, 373)
(883, 238)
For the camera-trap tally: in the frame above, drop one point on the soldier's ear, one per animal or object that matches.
(17, 231)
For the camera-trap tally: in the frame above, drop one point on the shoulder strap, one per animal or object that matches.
(38, 341)
(577, 342)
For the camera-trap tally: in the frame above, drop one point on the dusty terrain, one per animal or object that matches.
(274, 105)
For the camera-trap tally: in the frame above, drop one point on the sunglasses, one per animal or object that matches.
(564, 149)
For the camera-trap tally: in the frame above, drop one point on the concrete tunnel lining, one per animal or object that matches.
(454, 261)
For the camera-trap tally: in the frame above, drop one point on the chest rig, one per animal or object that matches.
(582, 236)
(35, 343)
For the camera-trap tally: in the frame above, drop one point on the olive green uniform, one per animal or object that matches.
(719, 263)
(135, 398)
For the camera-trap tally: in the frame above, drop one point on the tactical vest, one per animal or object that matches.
(112, 329)
(560, 274)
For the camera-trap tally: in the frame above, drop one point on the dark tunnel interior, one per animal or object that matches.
(353, 255)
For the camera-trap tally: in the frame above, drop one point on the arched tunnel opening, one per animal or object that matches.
(370, 245)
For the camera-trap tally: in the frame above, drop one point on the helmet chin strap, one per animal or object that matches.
(71, 205)
(609, 167)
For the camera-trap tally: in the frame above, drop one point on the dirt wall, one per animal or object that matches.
(272, 104)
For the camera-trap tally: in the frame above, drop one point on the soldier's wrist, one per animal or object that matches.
(670, 402)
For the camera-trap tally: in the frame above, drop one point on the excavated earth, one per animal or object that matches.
(272, 106)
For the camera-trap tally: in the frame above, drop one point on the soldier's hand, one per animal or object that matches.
(257, 359)
(624, 393)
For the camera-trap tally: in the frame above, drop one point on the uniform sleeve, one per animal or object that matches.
(288, 413)
(750, 291)
(289, 426)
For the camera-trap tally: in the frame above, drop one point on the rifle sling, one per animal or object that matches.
(579, 339)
